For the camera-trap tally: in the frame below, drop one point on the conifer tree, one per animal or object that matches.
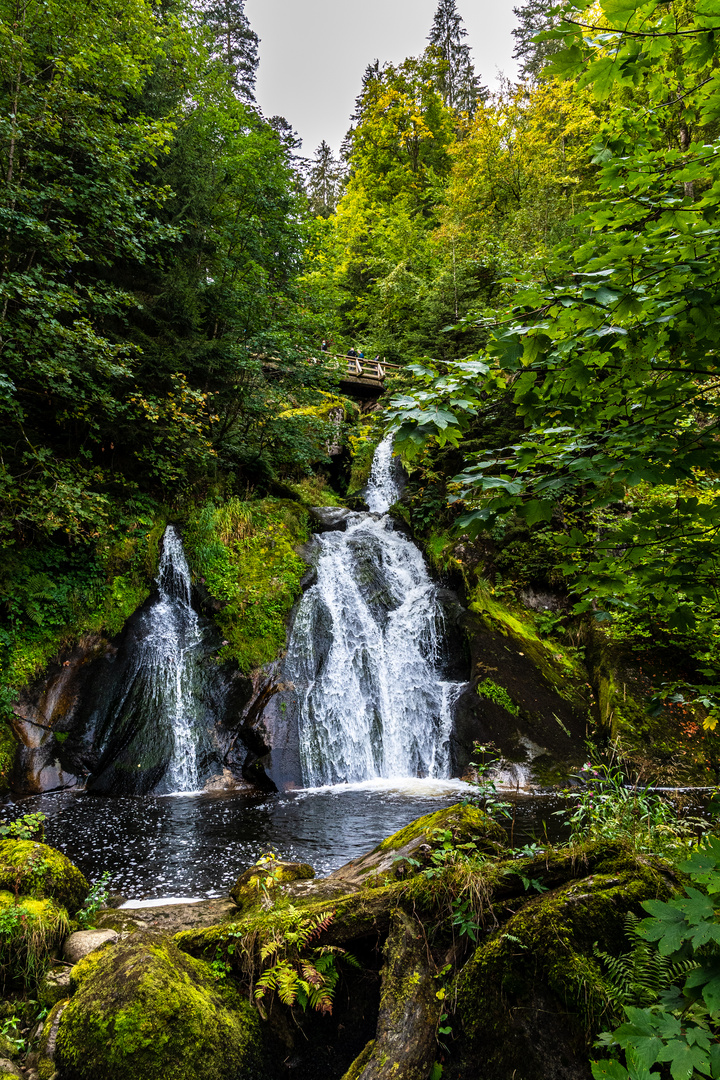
(533, 17)
(234, 43)
(459, 85)
(325, 177)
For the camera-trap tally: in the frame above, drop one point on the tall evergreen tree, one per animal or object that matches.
(324, 183)
(459, 85)
(533, 17)
(234, 43)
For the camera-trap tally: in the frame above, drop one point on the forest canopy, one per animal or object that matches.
(540, 259)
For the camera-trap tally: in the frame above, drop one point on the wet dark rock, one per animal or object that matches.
(329, 518)
(169, 918)
(550, 726)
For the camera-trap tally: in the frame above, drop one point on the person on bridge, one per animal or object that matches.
(361, 355)
(351, 353)
(324, 347)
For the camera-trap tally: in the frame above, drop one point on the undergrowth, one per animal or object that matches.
(55, 594)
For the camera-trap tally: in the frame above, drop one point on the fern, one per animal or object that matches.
(300, 973)
(640, 977)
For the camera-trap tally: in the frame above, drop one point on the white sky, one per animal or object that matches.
(313, 52)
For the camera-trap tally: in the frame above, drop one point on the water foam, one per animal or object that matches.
(365, 656)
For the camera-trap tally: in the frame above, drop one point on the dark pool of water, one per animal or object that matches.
(195, 846)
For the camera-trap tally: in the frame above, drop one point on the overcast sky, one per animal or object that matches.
(313, 52)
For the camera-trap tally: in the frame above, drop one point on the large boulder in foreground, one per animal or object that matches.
(147, 1011)
(533, 994)
(41, 872)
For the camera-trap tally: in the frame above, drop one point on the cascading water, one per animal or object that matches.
(154, 721)
(365, 653)
(383, 488)
(168, 660)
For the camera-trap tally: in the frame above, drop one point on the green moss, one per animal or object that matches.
(358, 1065)
(148, 1011)
(57, 597)
(266, 877)
(466, 823)
(30, 931)
(244, 554)
(539, 969)
(8, 749)
(493, 692)
(314, 491)
(40, 871)
(559, 668)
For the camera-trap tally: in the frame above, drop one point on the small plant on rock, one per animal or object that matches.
(27, 827)
(95, 899)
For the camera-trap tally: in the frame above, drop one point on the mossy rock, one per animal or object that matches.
(411, 848)
(48, 1040)
(30, 931)
(41, 872)
(266, 876)
(533, 996)
(148, 1011)
(467, 824)
(54, 987)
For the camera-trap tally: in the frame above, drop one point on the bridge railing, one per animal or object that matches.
(357, 366)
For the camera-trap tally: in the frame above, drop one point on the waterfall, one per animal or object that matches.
(365, 655)
(383, 488)
(174, 634)
(152, 725)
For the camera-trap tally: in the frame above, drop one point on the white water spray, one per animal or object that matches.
(365, 654)
(383, 488)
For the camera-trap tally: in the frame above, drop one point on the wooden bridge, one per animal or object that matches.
(357, 371)
(359, 377)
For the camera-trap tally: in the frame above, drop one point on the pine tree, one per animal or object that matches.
(234, 43)
(325, 177)
(533, 18)
(459, 85)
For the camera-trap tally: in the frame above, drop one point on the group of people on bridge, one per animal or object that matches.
(351, 354)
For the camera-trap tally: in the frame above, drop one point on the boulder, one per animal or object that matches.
(329, 518)
(265, 876)
(8, 1068)
(532, 996)
(83, 942)
(147, 1011)
(389, 861)
(41, 872)
(54, 987)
